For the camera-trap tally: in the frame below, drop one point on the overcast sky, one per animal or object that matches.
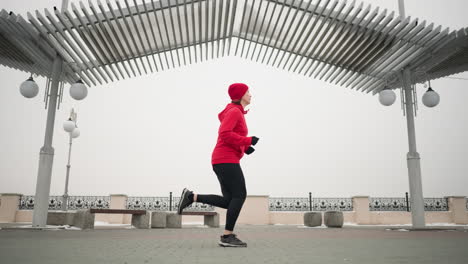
(154, 134)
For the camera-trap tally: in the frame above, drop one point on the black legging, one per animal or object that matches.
(232, 183)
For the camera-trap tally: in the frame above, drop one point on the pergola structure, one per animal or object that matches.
(346, 43)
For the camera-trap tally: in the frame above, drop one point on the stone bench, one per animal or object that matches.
(84, 219)
(174, 220)
(333, 219)
(140, 218)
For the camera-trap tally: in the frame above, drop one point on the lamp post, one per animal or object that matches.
(70, 127)
(430, 99)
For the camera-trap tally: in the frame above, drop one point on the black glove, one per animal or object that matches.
(249, 150)
(254, 140)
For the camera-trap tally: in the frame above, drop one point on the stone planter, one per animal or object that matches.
(313, 219)
(333, 219)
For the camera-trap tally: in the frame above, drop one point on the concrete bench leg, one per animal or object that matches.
(84, 219)
(173, 220)
(60, 218)
(313, 219)
(142, 221)
(211, 220)
(158, 219)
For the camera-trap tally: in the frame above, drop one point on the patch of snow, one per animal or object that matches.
(316, 227)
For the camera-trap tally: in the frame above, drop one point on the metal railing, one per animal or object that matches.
(163, 204)
(403, 204)
(310, 204)
(275, 203)
(74, 202)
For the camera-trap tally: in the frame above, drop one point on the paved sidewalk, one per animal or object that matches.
(266, 244)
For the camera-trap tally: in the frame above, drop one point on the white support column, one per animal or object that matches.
(413, 159)
(46, 157)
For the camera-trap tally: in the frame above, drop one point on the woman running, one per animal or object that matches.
(231, 145)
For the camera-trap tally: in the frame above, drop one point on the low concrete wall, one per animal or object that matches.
(24, 216)
(8, 205)
(256, 212)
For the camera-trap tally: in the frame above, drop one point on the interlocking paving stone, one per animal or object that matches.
(266, 244)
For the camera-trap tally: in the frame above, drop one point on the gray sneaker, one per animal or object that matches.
(184, 200)
(231, 241)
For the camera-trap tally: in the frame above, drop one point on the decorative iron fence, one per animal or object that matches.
(388, 204)
(403, 204)
(310, 204)
(74, 202)
(163, 204)
(275, 204)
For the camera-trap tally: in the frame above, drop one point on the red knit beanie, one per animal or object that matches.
(237, 90)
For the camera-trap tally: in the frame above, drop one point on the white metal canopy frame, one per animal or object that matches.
(346, 43)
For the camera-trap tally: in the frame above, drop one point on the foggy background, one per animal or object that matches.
(154, 134)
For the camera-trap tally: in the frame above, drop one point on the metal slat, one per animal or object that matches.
(355, 21)
(445, 47)
(81, 47)
(311, 15)
(173, 31)
(125, 56)
(383, 61)
(189, 43)
(129, 30)
(380, 44)
(132, 55)
(140, 39)
(13, 29)
(309, 56)
(101, 38)
(402, 60)
(8, 29)
(58, 49)
(266, 30)
(255, 26)
(299, 23)
(99, 53)
(153, 35)
(274, 29)
(226, 21)
(207, 9)
(408, 49)
(91, 48)
(370, 45)
(338, 25)
(109, 39)
(260, 30)
(167, 36)
(160, 34)
(240, 29)
(76, 62)
(150, 49)
(281, 31)
(351, 41)
(220, 16)
(358, 43)
(194, 32)
(200, 22)
(74, 49)
(232, 25)
(309, 32)
(390, 41)
(180, 31)
(213, 23)
(43, 46)
(319, 41)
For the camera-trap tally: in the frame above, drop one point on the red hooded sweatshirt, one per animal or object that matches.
(232, 135)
